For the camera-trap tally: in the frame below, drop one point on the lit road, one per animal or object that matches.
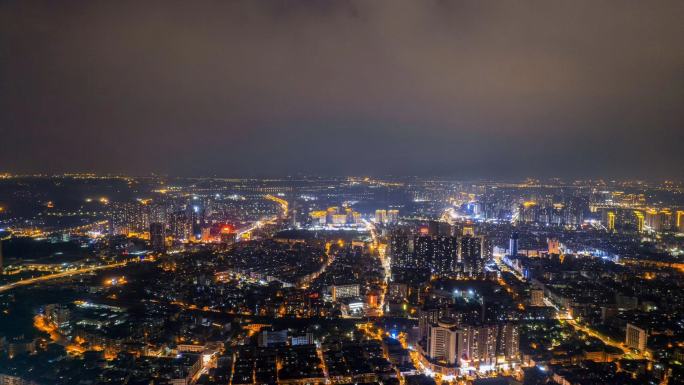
(595, 334)
(448, 215)
(561, 317)
(283, 205)
(319, 353)
(64, 274)
(282, 202)
(255, 226)
(606, 340)
(248, 229)
(330, 258)
(384, 260)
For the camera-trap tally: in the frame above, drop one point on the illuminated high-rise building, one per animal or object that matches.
(180, 226)
(339, 219)
(444, 255)
(356, 218)
(330, 212)
(157, 236)
(636, 337)
(205, 234)
(227, 235)
(439, 253)
(58, 314)
(441, 341)
(401, 250)
(477, 344)
(537, 297)
(680, 221)
(428, 315)
(344, 291)
(553, 246)
(509, 341)
(127, 217)
(392, 216)
(610, 221)
(467, 343)
(528, 211)
(513, 244)
(381, 216)
(658, 220)
(318, 217)
(487, 249)
(293, 212)
(639, 221)
(349, 212)
(196, 215)
(470, 255)
(423, 251)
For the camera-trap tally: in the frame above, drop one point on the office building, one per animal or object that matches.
(344, 291)
(272, 338)
(441, 342)
(513, 244)
(636, 337)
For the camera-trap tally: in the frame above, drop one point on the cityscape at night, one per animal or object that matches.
(312, 280)
(343, 192)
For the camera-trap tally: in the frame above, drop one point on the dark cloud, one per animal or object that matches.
(475, 88)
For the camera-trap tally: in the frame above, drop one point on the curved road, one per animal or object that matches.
(64, 274)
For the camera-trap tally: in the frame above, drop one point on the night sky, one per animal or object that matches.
(474, 89)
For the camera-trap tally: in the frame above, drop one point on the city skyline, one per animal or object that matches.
(341, 192)
(339, 280)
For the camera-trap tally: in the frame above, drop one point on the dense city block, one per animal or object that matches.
(119, 280)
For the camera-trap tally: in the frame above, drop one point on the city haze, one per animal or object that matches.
(464, 89)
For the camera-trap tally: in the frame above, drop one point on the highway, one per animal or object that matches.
(282, 202)
(283, 205)
(64, 274)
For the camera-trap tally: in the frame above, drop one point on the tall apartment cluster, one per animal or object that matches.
(443, 255)
(449, 344)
